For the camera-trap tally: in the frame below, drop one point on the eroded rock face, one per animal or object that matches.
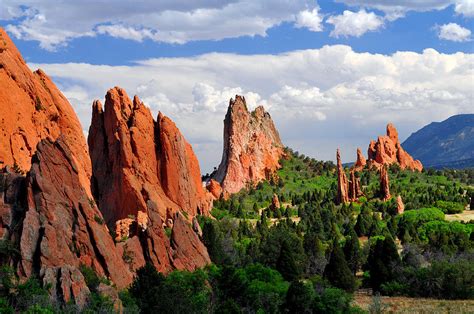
(360, 162)
(63, 229)
(32, 109)
(355, 190)
(384, 183)
(214, 188)
(136, 159)
(400, 205)
(252, 147)
(342, 184)
(145, 169)
(387, 150)
(188, 252)
(275, 202)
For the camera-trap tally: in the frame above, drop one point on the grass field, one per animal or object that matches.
(413, 305)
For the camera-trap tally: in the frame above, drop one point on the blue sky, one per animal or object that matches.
(415, 31)
(331, 73)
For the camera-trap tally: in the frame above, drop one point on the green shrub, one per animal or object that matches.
(450, 207)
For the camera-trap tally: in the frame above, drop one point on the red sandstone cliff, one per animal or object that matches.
(252, 147)
(143, 167)
(387, 150)
(47, 210)
(32, 109)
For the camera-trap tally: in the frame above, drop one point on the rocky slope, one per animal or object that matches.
(145, 174)
(449, 143)
(143, 167)
(252, 147)
(387, 150)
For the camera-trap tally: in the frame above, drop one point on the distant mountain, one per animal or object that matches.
(446, 144)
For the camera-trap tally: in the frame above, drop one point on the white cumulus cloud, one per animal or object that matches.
(55, 23)
(354, 23)
(320, 99)
(454, 32)
(465, 7)
(311, 20)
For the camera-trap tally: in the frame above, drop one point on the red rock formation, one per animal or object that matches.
(63, 228)
(384, 183)
(252, 147)
(400, 205)
(136, 159)
(342, 184)
(360, 162)
(146, 169)
(387, 150)
(214, 188)
(354, 187)
(32, 109)
(57, 224)
(188, 251)
(275, 202)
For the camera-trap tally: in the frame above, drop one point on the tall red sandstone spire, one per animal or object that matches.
(384, 183)
(342, 184)
(252, 147)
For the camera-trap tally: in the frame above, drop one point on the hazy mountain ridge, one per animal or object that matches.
(449, 143)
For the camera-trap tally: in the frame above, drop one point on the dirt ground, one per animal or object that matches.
(466, 215)
(414, 305)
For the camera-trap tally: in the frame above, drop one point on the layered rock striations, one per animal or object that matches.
(252, 147)
(145, 168)
(387, 150)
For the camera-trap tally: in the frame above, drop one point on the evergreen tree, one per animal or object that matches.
(286, 263)
(212, 240)
(299, 297)
(383, 259)
(338, 272)
(352, 250)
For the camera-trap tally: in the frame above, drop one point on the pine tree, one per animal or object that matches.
(338, 272)
(352, 250)
(383, 259)
(286, 264)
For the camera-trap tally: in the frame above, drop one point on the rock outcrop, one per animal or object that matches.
(360, 162)
(136, 159)
(47, 210)
(387, 150)
(355, 190)
(342, 184)
(31, 109)
(62, 227)
(275, 202)
(252, 147)
(400, 205)
(384, 184)
(145, 173)
(214, 188)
